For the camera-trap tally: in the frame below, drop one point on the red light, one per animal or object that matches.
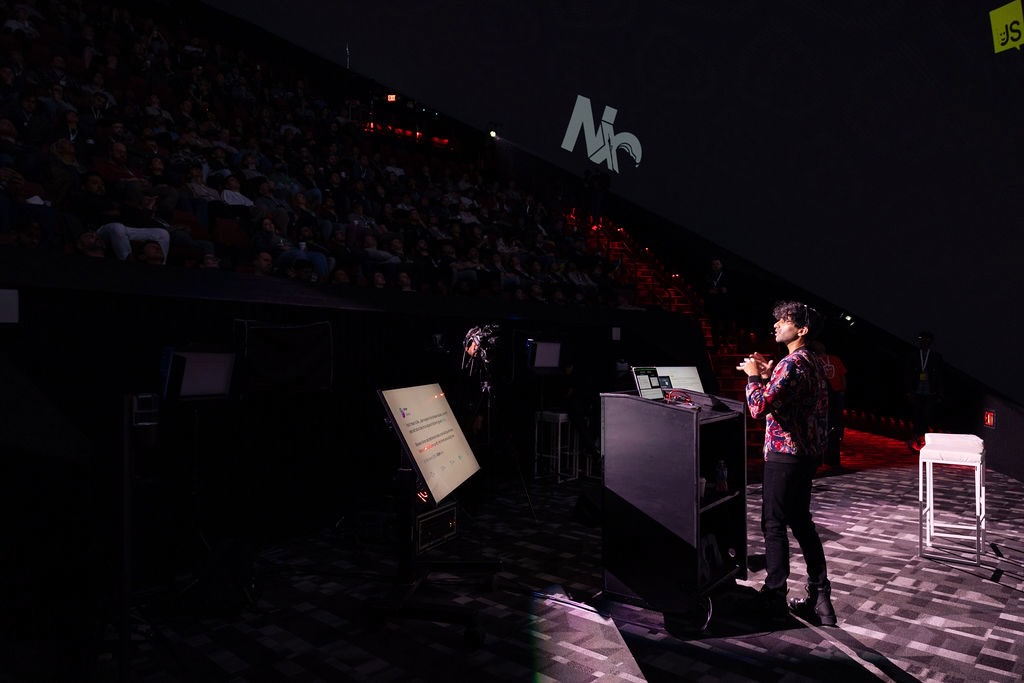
(989, 420)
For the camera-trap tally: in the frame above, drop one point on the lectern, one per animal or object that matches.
(665, 544)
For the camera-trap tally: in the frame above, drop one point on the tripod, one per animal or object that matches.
(485, 404)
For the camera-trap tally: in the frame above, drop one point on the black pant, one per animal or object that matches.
(787, 503)
(924, 412)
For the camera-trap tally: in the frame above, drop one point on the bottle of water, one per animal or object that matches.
(721, 477)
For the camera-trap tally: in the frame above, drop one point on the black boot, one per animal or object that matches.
(817, 606)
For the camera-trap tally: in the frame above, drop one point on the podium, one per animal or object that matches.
(666, 546)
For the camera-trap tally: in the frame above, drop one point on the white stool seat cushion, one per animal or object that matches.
(961, 449)
(968, 443)
(951, 457)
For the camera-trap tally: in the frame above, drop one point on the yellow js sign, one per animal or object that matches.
(1007, 26)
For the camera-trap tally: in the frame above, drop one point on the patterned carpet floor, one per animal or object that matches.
(327, 607)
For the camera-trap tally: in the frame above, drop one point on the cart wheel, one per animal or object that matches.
(694, 619)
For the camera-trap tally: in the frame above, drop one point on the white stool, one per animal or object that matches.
(556, 445)
(964, 450)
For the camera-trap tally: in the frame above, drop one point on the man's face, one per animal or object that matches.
(153, 254)
(264, 262)
(90, 241)
(786, 331)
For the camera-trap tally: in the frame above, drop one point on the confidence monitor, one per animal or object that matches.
(544, 357)
(683, 377)
(197, 374)
(431, 437)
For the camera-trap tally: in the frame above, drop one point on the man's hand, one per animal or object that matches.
(756, 365)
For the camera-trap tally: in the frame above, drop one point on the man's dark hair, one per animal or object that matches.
(801, 315)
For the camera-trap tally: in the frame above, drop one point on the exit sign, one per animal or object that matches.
(989, 419)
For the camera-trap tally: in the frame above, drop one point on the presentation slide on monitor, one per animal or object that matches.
(433, 437)
(685, 377)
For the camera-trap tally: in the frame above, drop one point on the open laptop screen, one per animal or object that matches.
(648, 383)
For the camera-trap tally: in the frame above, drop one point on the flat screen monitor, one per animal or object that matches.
(198, 374)
(431, 437)
(545, 355)
(683, 377)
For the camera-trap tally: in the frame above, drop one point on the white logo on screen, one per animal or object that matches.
(603, 143)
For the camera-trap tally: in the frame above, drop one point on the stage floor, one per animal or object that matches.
(543, 617)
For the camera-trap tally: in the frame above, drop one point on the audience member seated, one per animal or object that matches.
(26, 219)
(302, 270)
(403, 282)
(263, 263)
(120, 237)
(90, 244)
(284, 251)
(152, 253)
(64, 173)
(237, 205)
(20, 23)
(210, 262)
(120, 178)
(376, 259)
(165, 185)
(271, 205)
(100, 213)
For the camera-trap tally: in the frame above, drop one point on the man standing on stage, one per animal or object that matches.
(793, 396)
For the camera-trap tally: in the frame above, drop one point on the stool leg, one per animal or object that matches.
(979, 510)
(921, 507)
(536, 445)
(981, 499)
(930, 510)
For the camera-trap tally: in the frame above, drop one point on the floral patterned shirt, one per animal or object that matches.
(794, 402)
